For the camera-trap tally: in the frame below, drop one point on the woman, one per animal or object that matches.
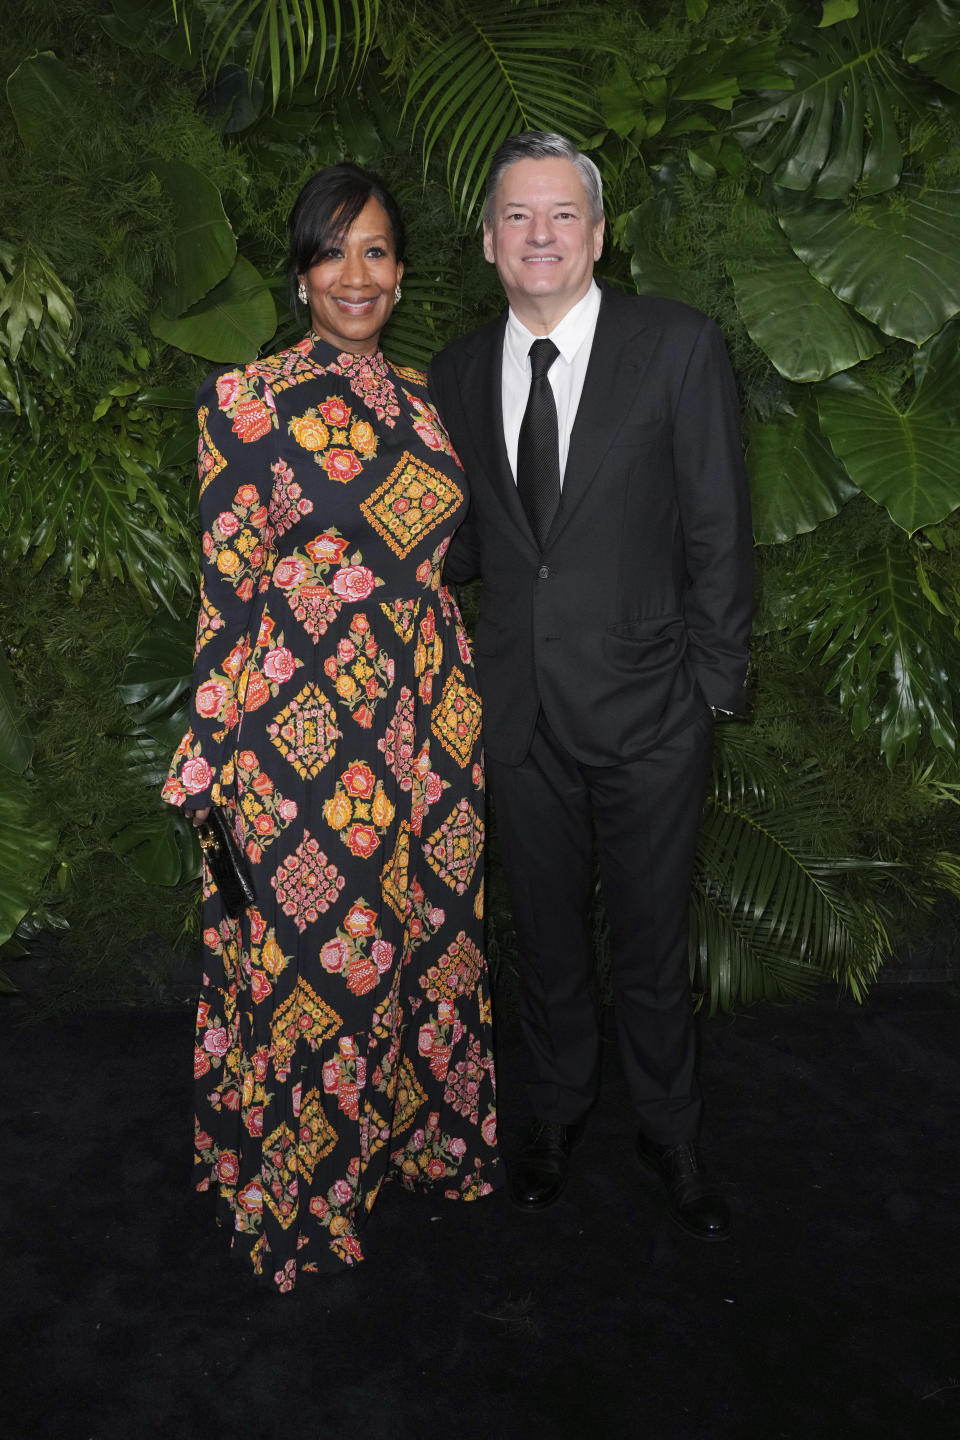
(343, 1034)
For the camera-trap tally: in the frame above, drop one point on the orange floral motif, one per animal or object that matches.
(359, 810)
(310, 432)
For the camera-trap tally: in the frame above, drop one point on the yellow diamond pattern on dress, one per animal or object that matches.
(454, 848)
(402, 615)
(317, 1135)
(209, 621)
(393, 877)
(456, 719)
(371, 1139)
(281, 1147)
(302, 1016)
(410, 1096)
(210, 461)
(305, 731)
(413, 500)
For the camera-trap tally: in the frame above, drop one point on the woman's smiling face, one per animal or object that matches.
(350, 289)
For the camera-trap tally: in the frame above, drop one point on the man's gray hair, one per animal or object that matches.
(542, 145)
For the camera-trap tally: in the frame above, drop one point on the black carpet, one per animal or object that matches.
(831, 1313)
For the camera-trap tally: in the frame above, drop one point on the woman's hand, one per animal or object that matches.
(197, 816)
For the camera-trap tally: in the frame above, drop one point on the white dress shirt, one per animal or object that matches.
(573, 337)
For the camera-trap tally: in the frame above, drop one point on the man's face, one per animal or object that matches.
(542, 239)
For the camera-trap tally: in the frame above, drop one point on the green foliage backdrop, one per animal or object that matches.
(792, 168)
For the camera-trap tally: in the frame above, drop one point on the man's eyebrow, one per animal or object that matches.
(554, 204)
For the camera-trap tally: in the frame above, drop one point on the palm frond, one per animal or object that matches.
(430, 314)
(772, 914)
(288, 38)
(499, 71)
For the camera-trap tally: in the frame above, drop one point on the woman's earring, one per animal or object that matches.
(396, 295)
(302, 293)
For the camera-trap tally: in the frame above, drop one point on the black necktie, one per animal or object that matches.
(538, 449)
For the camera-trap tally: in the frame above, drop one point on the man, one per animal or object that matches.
(610, 525)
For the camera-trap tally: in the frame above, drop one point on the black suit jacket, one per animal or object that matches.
(636, 613)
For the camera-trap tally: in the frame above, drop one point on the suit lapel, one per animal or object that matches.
(481, 390)
(622, 348)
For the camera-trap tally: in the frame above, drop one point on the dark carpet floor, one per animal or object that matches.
(833, 1312)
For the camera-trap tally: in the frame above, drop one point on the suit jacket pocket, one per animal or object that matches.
(646, 647)
(651, 630)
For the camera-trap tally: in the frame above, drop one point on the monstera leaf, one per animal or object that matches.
(895, 259)
(905, 456)
(230, 324)
(498, 70)
(204, 244)
(888, 651)
(802, 327)
(837, 127)
(933, 42)
(796, 481)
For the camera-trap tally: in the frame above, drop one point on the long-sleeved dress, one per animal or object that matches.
(343, 1033)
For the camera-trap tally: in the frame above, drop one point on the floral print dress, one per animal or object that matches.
(343, 1033)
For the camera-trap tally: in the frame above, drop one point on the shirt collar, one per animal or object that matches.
(568, 334)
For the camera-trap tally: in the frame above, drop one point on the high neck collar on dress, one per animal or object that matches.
(346, 362)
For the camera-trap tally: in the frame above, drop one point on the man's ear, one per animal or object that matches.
(598, 239)
(488, 253)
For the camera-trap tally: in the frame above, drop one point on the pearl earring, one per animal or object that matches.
(397, 294)
(302, 293)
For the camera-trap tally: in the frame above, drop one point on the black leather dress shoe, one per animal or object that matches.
(539, 1169)
(693, 1200)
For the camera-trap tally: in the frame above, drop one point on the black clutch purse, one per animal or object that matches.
(226, 862)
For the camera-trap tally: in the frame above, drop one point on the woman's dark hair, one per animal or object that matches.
(326, 208)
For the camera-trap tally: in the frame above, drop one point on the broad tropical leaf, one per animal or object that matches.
(894, 259)
(933, 42)
(652, 273)
(796, 481)
(159, 669)
(905, 456)
(889, 653)
(204, 245)
(230, 324)
(837, 128)
(161, 847)
(43, 94)
(806, 332)
(501, 69)
(27, 844)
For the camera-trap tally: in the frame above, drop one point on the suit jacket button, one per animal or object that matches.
(543, 572)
